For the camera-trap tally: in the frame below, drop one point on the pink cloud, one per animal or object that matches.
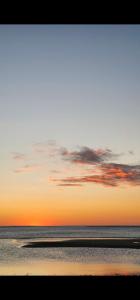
(109, 174)
(27, 169)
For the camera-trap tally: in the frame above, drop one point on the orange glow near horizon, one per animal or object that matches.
(66, 208)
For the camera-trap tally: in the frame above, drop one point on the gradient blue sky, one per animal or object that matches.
(74, 84)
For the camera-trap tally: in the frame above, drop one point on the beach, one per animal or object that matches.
(73, 250)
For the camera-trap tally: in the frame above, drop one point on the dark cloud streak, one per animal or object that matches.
(88, 156)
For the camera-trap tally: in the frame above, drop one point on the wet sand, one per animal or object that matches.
(98, 243)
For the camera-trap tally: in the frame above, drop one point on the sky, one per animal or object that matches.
(69, 125)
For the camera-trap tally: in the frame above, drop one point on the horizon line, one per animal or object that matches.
(138, 225)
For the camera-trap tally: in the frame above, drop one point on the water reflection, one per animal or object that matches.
(68, 268)
(15, 260)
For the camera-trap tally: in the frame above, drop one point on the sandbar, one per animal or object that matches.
(95, 243)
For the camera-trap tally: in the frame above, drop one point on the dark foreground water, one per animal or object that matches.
(15, 260)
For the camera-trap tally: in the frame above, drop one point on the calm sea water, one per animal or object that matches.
(66, 261)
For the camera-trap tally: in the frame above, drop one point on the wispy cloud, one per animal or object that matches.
(18, 156)
(69, 184)
(110, 174)
(27, 169)
(55, 171)
(131, 152)
(91, 166)
(39, 147)
(88, 156)
(48, 148)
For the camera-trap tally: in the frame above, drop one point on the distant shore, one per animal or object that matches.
(97, 243)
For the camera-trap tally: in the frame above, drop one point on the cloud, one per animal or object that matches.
(131, 152)
(91, 165)
(69, 184)
(121, 173)
(40, 147)
(48, 148)
(27, 169)
(18, 156)
(88, 156)
(55, 171)
(109, 174)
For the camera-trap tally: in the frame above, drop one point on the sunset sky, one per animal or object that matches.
(69, 125)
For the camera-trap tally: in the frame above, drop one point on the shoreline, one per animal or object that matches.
(132, 243)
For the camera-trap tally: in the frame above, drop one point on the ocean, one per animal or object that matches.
(17, 260)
